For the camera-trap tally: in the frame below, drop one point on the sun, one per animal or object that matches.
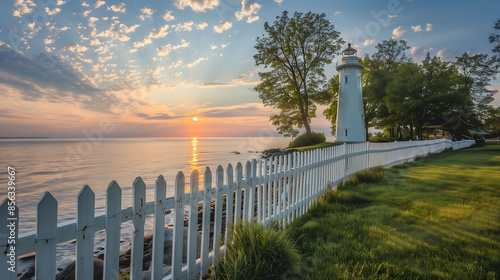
(195, 119)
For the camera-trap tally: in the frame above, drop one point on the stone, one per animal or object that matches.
(68, 273)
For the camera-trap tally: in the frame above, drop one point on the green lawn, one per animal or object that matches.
(435, 218)
(317, 146)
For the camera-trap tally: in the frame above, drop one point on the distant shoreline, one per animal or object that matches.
(24, 137)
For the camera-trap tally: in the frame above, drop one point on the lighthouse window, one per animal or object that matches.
(346, 80)
(346, 133)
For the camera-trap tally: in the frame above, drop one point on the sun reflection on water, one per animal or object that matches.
(194, 153)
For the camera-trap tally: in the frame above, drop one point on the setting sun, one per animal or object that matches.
(195, 119)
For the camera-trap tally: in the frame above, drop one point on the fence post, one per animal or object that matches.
(205, 231)
(85, 234)
(8, 216)
(247, 207)
(46, 234)
(178, 241)
(219, 197)
(113, 224)
(139, 217)
(158, 229)
(258, 181)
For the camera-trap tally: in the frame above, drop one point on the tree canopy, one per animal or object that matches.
(295, 50)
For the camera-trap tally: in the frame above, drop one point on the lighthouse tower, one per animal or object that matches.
(350, 112)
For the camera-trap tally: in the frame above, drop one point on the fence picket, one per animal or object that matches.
(192, 249)
(158, 229)
(85, 234)
(139, 217)
(205, 231)
(239, 183)
(219, 196)
(229, 203)
(177, 241)
(46, 228)
(113, 224)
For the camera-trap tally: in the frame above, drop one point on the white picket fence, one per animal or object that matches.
(279, 189)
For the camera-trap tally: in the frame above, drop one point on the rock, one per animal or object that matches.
(167, 253)
(235, 152)
(28, 274)
(28, 257)
(68, 273)
(146, 275)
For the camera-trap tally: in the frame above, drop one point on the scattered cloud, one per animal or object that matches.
(176, 64)
(165, 50)
(398, 32)
(213, 47)
(243, 79)
(85, 4)
(22, 7)
(367, 43)
(187, 26)
(75, 47)
(278, 1)
(99, 3)
(337, 13)
(92, 21)
(196, 62)
(53, 11)
(223, 26)
(167, 15)
(249, 9)
(197, 5)
(49, 41)
(201, 26)
(146, 13)
(428, 27)
(443, 54)
(160, 116)
(159, 33)
(60, 2)
(417, 28)
(243, 110)
(118, 8)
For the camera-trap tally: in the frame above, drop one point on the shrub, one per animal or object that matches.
(255, 252)
(308, 140)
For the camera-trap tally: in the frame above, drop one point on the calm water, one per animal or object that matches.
(64, 166)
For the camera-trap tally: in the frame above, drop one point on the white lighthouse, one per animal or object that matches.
(350, 112)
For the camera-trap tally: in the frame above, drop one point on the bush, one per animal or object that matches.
(255, 252)
(308, 140)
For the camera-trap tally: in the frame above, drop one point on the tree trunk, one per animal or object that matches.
(411, 131)
(306, 124)
(366, 133)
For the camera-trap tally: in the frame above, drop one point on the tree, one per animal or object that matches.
(495, 38)
(296, 49)
(331, 112)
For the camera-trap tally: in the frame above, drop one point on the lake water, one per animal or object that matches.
(63, 166)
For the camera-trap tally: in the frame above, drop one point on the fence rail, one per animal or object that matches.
(277, 189)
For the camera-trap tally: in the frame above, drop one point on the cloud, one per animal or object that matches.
(278, 1)
(175, 64)
(201, 26)
(367, 43)
(196, 62)
(86, 13)
(159, 116)
(222, 26)
(85, 4)
(53, 11)
(187, 26)
(248, 10)
(398, 32)
(49, 41)
(125, 29)
(99, 3)
(49, 78)
(22, 7)
(159, 33)
(167, 15)
(60, 2)
(146, 13)
(118, 8)
(142, 43)
(243, 79)
(165, 50)
(243, 110)
(178, 74)
(76, 48)
(92, 21)
(337, 13)
(417, 52)
(197, 5)
(95, 42)
(213, 47)
(443, 54)
(417, 28)
(428, 27)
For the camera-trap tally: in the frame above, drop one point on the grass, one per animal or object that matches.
(317, 146)
(435, 218)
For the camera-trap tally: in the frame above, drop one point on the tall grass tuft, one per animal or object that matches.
(255, 252)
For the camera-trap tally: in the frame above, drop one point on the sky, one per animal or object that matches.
(73, 68)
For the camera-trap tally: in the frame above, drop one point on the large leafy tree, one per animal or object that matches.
(295, 49)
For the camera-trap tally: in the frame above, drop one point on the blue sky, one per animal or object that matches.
(151, 66)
